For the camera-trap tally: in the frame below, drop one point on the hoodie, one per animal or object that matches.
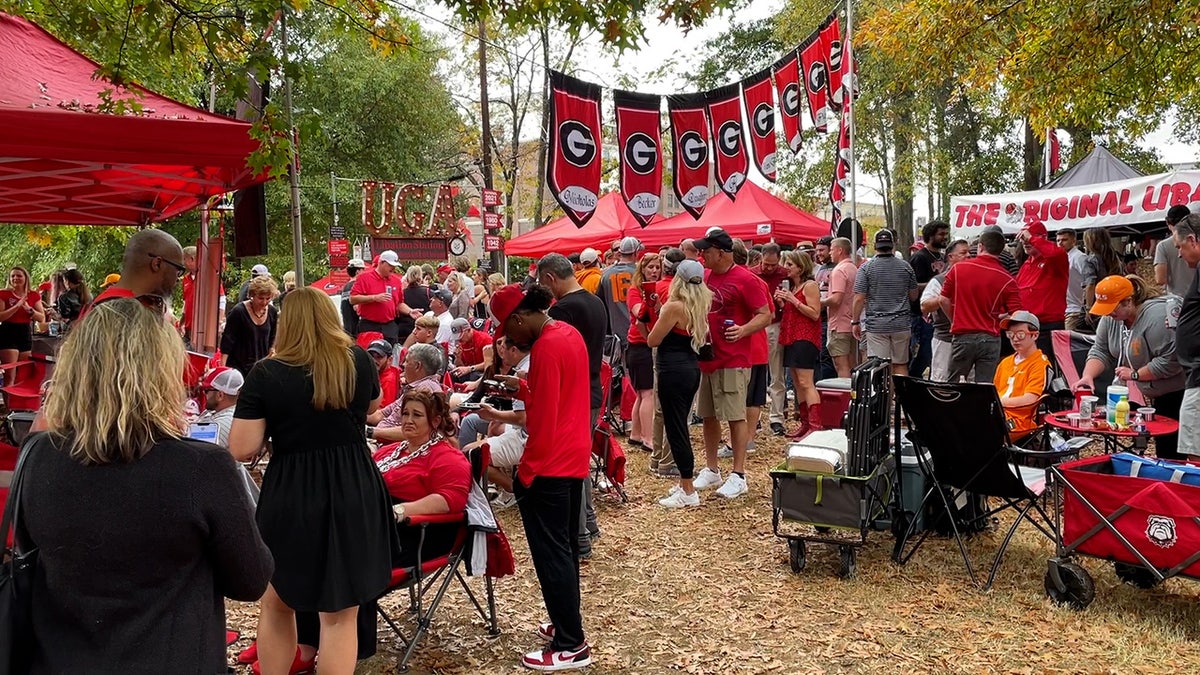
(1151, 341)
(589, 278)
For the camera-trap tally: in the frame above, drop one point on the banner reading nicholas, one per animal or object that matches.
(573, 169)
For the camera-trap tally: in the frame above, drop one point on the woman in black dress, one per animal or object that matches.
(324, 511)
(250, 327)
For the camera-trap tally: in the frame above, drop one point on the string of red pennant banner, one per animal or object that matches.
(707, 130)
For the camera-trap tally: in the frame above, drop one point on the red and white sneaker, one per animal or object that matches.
(547, 660)
(546, 631)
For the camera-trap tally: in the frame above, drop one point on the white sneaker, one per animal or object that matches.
(504, 500)
(672, 491)
(679, 499)
(734, 486)
(707, 479)
(725, 451)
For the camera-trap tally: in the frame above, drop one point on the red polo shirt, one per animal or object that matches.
(470, 352)
(981, 291)
(369, 282)
(1042, 281)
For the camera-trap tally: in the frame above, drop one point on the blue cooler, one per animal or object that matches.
(1128, 464)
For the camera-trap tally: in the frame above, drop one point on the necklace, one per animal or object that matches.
(398, 458)
(257, 313)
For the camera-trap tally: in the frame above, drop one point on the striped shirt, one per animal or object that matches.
(886, 281)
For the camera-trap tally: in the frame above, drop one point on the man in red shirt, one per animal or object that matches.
(389, 375)
(772, 273)
(150, 268)
(378, 296)
(740, 308)
(977, 294)
(550, 478)
(470, 358)
(1042, 282)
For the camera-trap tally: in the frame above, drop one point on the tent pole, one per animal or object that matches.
(294, 164)
(848, 97)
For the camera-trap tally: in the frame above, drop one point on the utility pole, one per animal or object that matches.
(293, 165)
(485, 139)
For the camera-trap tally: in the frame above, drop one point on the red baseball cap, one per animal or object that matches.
(504, 301)
(223, 379)
(445, 267)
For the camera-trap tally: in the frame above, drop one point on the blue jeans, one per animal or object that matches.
(922, 337)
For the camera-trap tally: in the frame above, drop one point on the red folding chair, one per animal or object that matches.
(608, 458)
(23, 384)
(437, 575)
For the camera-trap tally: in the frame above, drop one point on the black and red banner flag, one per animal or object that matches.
(831, 38)
(839, 189)
(729, 143)
(689, 151)
(639, 140)
(815, 73)
(759, 106)
(573, 169)
(787, 87)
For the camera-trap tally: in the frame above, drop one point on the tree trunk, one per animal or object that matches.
(902, 187)
(1033, 159)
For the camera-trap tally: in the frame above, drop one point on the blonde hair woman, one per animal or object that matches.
(481, 294)
(141, 531)
(250, 327)
(323, 511)
(680, 335)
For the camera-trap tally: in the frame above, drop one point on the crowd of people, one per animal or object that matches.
(368, 404)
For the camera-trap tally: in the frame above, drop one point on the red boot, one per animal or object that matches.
(814, 417)
(803, 413)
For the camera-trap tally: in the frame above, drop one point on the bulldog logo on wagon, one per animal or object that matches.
(1160, 530)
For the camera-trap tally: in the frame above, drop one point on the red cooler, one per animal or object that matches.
(835, 401)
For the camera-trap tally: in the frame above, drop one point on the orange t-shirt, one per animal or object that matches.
(1017, 379)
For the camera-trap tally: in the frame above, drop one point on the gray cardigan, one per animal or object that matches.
(1151, 343)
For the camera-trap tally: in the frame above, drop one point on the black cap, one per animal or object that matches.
(885, 240)
(715, 237)
(380, 348)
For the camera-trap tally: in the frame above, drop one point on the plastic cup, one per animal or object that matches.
(1147, 414)
(1087, 406)
(1074, 420)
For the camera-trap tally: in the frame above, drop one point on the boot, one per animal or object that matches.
(814, 417)
(803, 413)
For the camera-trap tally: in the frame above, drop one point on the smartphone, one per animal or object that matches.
(649, 287)
(204, 431)
(469, 405)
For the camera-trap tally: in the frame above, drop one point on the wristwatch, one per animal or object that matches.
(1133, 374)
(401, 516)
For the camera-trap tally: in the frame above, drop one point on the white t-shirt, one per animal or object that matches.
(1179, 275)
(1076, 273)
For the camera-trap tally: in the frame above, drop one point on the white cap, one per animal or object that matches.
(260, 270)
(589, 256)
(225, 380)
(356, 263)
(629, 246)
(390, 258)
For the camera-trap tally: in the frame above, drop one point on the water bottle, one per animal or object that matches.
(1057, 442)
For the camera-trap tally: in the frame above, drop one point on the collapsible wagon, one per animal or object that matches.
(1141, 514)
(839, 507)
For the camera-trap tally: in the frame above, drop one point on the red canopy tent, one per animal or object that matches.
(611, 221)
(63, 161)
(756, 216)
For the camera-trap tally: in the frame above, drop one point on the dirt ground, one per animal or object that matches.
(709, 590)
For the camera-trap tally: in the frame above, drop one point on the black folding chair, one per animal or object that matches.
(963, 430)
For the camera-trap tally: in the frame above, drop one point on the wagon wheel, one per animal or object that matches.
(848, 556)
(1136, 575)
(797, 556)
(1079, 591)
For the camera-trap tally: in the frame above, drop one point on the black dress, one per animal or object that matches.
(245, 343)
(324, 510)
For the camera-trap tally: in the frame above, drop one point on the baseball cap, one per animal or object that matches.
(805, 246)
(356, 264)
(691, 271)
(390, 258)
(715, 237)
(223, 379)
(445, 267)
(443, 294)
(457, 325)
(1022, 316)
(111, 279)
(1037, 228)
(1109, 293)
(885, 240)
(380, 348)
(589, 256)
(629, 246)
(504, 302)
(478, 324)
(917, 245)
(994, 228)
(260, 270)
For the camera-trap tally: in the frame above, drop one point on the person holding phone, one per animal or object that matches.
(800, 337)
(639, 360)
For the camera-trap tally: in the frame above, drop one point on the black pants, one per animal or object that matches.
(550, 512)
(683, 373)
(391, 332)
(1168, 405)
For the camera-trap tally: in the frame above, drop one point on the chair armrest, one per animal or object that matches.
(1016, 451)
(437, 519)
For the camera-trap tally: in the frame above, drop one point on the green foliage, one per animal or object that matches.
(743, 50)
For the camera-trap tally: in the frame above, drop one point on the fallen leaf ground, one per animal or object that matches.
(709, 590)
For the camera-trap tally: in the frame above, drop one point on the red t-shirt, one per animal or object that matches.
(444, 470)
(368, 282)
(981, 290)
(1042, 281)
(760, 348)
(737, 295)
(557, 399)
(634, 298)
(389, 383)
(772, 279)
(11, 300)
(470, 352)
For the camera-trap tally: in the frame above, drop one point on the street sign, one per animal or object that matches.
(493, 242)
(339, 247)
(337, 231)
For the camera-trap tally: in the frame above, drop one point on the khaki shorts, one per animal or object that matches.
(840, 344)
(723, 394)
(889, 346)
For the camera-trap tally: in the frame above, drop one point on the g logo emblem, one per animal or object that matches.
(693, 150)
(763, 120)
(790, 101)
(641, 153)
(729, 138)
(818, 77)
(579, 147)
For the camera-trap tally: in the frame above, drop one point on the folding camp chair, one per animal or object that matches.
(608, 459)
(614, 358)
(970, 458)
(436, 575)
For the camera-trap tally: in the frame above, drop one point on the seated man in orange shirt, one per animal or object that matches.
(1021, 378)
